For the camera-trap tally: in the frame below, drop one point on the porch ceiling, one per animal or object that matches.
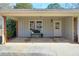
(44, 12)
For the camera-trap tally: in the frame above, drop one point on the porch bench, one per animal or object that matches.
(36, 35)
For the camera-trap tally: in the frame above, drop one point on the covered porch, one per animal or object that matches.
(64, 32)
(66, 29)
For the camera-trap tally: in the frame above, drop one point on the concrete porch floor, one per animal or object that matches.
(39, 40)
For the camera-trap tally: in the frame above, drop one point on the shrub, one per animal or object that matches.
(10, 27)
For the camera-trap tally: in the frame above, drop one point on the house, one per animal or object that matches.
(49, 22)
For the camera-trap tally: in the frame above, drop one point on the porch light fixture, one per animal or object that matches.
(51, 20)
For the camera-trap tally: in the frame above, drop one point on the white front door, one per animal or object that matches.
(57, 28)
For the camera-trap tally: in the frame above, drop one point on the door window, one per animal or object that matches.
(57, 25)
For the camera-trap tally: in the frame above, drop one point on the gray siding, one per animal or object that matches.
(67, 27)
(48, 30)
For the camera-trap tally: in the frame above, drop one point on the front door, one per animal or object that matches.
(57, 28)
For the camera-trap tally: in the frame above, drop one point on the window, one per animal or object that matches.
(36, 25)
(32, 25)
(39, 25)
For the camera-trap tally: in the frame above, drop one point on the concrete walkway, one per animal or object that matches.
(39, 49)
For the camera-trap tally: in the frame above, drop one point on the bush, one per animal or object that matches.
(10, 27)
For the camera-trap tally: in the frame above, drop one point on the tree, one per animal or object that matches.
(23, 6)
(54, 6)
(5, 6)
(76, 5)
(69, 5)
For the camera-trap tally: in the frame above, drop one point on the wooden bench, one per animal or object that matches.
(36, 33)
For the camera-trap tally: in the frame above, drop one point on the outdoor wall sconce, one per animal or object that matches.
(51, 20)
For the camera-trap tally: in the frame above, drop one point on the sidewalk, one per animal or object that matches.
(40, 49)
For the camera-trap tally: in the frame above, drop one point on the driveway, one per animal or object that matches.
(39, 49)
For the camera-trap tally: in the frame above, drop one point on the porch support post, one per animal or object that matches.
(78, 28)
(5, 37)
(17, 28)
(72, 29)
